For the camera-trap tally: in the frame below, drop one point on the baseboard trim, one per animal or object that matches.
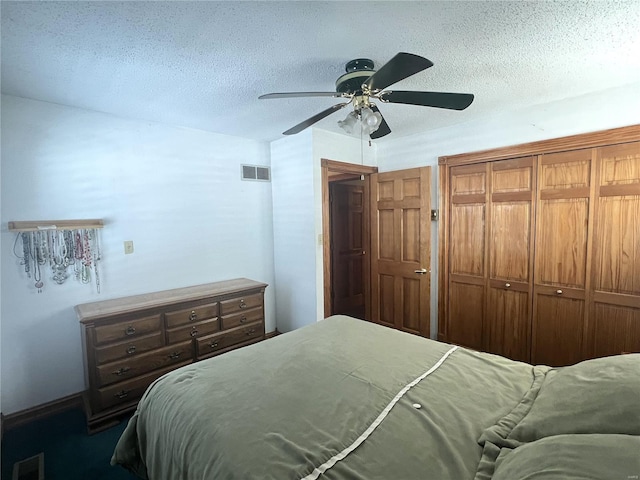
(271, 334)
(41, 411)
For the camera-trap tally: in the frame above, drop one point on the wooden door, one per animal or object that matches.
(561, 257)
(347, 248)
(467, 255)
(614, 325)
(401, 249)
(507, 329)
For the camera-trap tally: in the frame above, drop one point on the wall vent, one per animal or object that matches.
(256, 172)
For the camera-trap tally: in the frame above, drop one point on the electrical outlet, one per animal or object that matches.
(128, 247)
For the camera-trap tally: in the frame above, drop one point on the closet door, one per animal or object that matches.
(615, 311)
(508, 312)
(467, 255)
(561, 257)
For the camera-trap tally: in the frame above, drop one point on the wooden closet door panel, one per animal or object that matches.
(467, 255)
(617, 266)
(561, 257)
(508, 328)
(562, 242)
(559, 330)
(509, 248)
(510, 243)
(615, 317)
(466, 313)
(617, 329)
(467, 239)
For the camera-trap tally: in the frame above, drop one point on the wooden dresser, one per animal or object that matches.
(129, 342)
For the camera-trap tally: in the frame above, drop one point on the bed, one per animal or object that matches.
(348, 399)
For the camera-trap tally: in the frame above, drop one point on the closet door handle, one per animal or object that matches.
(422, 271)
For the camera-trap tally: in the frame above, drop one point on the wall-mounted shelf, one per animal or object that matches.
(34, 226)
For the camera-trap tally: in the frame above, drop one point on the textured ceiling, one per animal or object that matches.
(204, 64)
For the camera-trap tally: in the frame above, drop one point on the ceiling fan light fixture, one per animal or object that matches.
(370, 120)
(349, 122)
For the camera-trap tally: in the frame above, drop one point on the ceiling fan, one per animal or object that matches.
(361, 83)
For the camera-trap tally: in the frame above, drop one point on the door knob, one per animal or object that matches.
(422, 271)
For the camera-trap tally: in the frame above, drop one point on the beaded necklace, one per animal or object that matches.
(60, 249)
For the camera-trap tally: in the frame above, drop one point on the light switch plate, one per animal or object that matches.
(128, 247)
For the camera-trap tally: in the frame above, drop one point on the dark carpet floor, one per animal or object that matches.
(69, 452)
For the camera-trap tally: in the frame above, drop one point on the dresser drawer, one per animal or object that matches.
(191, 331)
(240, 303)
(241, 318)
(228, 338)
(130, 390)
(190, 315)
(128, 329)
(126, 349)
(141, 364)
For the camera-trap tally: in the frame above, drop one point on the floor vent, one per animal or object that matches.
(31, 468)
(256, 172)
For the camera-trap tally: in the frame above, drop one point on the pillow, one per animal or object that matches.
(572, 457)
(594, 396)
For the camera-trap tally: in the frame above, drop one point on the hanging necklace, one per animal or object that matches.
(37, 274)
(58, 257)
(24, 259)
(86, 259)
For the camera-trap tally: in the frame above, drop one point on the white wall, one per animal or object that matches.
(600, 111)
(175, 192)
(293, 230)
(297, 219)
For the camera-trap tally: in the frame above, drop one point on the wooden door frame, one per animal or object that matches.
(332, 171)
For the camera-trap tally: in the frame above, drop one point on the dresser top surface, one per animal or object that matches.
(90, 311)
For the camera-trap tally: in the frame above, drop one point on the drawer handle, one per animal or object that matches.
(213, 344)
(251, 332)
(193, 317)
(242, 304)
(175, 355)
(121, 371)
(194, 332)
(131, 350)
(122, 394)
(559, 292)
(243, 319)
(130, 330)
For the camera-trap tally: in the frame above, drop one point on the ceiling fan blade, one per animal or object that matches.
(383, 129)
(452, 101)
(316, 118)
(401, 66)
(301, 94)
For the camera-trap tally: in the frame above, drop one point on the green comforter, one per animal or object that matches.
(283, 407)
